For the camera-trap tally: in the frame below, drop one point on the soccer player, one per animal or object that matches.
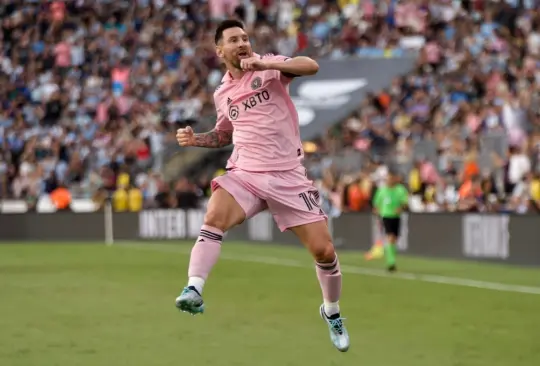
(389, 201)
(265, 171)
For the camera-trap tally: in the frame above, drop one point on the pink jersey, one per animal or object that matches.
(260, 112)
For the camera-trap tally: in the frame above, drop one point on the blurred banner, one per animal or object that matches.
(511, 239)
(338, 88)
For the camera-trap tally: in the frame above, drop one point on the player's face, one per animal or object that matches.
(234, 46)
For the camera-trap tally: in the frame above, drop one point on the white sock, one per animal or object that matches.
(331, 308)
(196, 282)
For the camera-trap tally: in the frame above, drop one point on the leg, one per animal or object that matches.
(377, 247)
(316, 238)
(390, 252)
(391, 229)
(222, 214)
(294, 203)
(229, 206)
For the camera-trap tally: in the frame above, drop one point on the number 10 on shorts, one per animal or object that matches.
(312, 200)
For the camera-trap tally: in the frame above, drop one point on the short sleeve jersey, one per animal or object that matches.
(261, 114)
(389, 199)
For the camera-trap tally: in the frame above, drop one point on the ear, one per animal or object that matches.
(219, 51)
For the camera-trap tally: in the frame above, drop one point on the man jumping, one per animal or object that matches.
(265, 170)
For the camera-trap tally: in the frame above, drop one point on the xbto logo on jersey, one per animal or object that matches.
(255, 100)
(251, 102)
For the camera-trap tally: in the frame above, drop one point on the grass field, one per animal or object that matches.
(92, 305)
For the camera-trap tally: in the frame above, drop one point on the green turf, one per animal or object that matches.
(92, 305)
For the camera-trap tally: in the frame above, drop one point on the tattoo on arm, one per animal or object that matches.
(213, 139)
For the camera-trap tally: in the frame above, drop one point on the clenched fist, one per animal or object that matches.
(253, 64)
(185, 136)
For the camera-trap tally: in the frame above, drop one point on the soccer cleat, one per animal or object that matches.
(190, 301)
(338, 332)
(392, 268)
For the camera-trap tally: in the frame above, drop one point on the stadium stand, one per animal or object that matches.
(91, 93)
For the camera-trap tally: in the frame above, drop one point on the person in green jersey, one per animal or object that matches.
(389, 201)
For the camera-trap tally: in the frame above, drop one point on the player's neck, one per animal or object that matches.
(236, 73)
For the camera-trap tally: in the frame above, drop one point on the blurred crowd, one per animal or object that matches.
(91, 92)
(463, 127)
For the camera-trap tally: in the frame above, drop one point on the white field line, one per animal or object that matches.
(456, 281)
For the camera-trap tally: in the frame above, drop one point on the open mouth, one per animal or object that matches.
(243, 54)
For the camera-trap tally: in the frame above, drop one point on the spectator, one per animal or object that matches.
(61, 198)
(185, 195)
(120, 199)
(471, 96)
(135, 199)
(471, 195)
(91, 93)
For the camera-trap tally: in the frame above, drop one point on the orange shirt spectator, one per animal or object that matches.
(355, 196)
(469, 189)
(470, 169)
(384, 100)
(61, 197)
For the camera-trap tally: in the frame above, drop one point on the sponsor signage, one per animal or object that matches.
(509, 239)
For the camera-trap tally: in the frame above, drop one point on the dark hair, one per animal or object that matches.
(224, 25)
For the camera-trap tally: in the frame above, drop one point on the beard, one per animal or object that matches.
(235, 62)
(235, 59)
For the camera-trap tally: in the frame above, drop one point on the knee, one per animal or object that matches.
(324, 252)
(217, 219)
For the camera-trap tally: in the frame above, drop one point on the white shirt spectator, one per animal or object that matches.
(518, 166)
(379, 175)
(533, 43)
(77, 55)
(26, 168)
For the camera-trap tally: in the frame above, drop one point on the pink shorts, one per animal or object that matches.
(290, 196)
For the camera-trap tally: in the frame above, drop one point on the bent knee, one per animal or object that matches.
(324, 252)
(217, 219)
(223, 220)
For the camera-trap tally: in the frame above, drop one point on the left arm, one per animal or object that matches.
(404, 199)
(297, 66)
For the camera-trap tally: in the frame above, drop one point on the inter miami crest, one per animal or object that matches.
(256, 83)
